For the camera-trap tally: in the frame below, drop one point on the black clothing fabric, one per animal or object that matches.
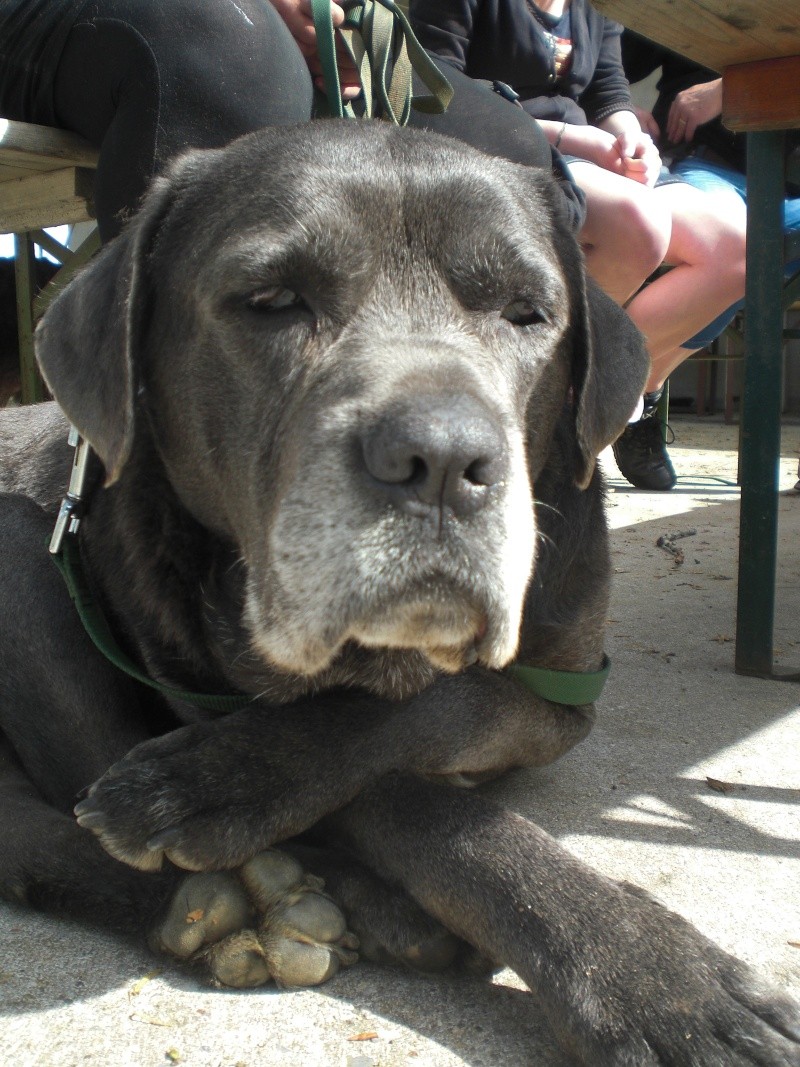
(503, 40)
(144, 80)
(32, 36)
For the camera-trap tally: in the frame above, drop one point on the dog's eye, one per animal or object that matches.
(523, 313)
(274, 298)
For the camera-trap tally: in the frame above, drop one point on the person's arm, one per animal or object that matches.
(608, 105)
(609, 90)
(585, 142)
(693, 107)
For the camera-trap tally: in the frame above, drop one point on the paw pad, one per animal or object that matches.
(269, 920)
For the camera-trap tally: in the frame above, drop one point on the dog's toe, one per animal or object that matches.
(268, 921)
(271, 874)
(305, 938)
(434, 953)
(206, 908)
(238, 961)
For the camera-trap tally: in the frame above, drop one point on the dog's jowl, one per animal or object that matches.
(339, 390)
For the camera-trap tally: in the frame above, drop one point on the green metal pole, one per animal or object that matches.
(763, 362)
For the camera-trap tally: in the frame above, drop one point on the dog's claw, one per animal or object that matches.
(89, 817)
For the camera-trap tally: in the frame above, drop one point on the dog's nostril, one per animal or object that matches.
(419, 470)
(436, 453)
(486, 470)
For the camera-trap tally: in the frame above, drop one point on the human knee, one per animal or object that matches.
(644, 230)
(728, 261)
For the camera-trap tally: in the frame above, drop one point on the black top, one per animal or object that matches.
(503, 40)
(32, 36)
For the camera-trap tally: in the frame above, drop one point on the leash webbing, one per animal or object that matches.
(379, 39)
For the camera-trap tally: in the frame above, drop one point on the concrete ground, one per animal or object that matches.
(689, 786)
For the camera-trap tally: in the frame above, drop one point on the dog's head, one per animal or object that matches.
(351, 344)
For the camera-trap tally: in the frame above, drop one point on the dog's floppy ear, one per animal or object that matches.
(610, 366)
(87, 342)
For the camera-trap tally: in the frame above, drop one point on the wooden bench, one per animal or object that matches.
(46, 180)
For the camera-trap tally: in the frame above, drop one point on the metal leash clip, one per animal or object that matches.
(71, 511)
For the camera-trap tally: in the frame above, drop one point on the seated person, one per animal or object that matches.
(563, 59)
(686, 124)
(143, 81)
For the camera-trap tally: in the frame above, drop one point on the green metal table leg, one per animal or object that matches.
(31, 381)
(760, 449)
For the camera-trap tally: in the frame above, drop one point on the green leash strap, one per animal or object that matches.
(385, 52)
(562, 687)
(68, 561)
(326, 47)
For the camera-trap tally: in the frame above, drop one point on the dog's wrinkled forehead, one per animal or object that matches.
(367, 197)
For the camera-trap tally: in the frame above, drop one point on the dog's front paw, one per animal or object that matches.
(207, 797)
(142, 803)
(666, 995)
(211, 795)
(266, 921)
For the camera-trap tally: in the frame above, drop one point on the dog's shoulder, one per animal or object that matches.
(35, 456)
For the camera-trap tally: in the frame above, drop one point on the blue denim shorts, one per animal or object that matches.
(714, 178)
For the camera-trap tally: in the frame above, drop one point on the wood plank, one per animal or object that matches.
(26, 148)
(762, 96)
(51, 199)
(716, 33)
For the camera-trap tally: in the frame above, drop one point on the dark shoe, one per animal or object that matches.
(642, 457)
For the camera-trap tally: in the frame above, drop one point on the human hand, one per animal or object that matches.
(641, 160)
(646, 121)
(691, 108)
(300, 22)
(596, 145)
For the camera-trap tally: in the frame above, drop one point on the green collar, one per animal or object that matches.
(68, 561)
(562, 687)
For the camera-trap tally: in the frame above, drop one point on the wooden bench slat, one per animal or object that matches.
(51, 199)
(26, 147)
(716, 33)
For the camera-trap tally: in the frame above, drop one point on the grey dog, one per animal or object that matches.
(346, 385)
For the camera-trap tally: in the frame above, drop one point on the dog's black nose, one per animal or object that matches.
(438, 452)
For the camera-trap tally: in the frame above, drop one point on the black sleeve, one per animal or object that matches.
(444, 27)
(608, 90)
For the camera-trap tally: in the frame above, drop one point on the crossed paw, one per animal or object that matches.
(267, 920)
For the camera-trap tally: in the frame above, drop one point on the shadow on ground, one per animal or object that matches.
(689, 786)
